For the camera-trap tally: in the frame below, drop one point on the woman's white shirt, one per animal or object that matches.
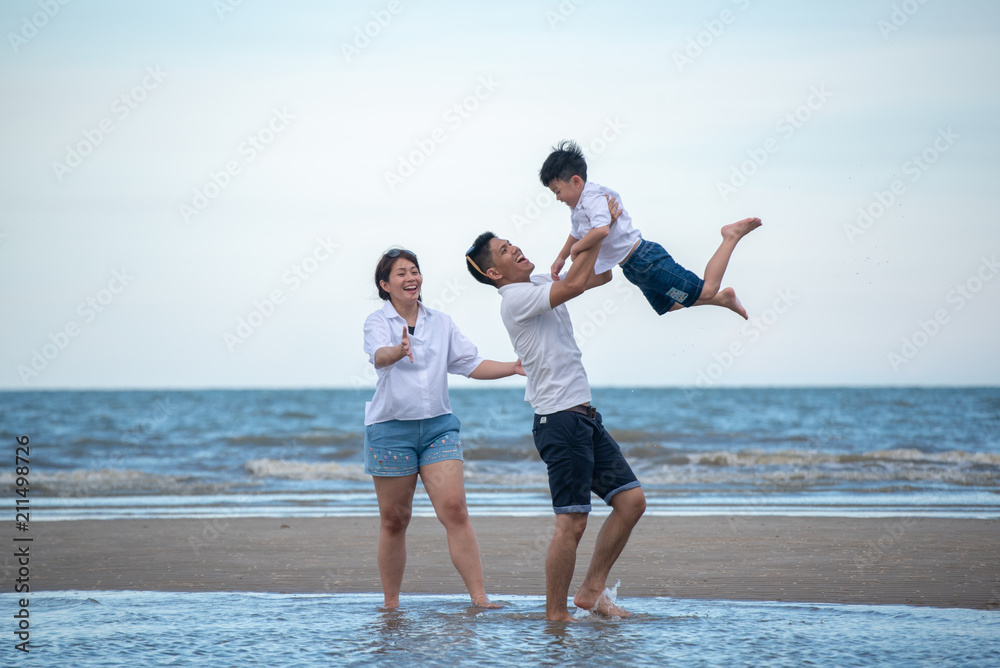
(416, 390)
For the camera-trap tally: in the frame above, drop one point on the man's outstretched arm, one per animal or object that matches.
(577, 278)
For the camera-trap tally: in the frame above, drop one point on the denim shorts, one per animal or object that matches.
(401, 447)
(581, 458)
(662, 281)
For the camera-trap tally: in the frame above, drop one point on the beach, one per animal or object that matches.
(935, 562)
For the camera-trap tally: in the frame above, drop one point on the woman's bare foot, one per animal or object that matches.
(740, 229)
(483, 601)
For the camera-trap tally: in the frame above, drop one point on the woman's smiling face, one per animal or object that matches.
(404, 282)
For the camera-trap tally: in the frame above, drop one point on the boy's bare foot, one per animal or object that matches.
(727, 298)
(483, 601)
(740, 229)
(390, 605)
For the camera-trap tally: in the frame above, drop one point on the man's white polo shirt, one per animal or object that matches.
(542, 337)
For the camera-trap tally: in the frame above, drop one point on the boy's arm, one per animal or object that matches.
(592, 238)
(557, 266)
(600, 229)
(577, 278)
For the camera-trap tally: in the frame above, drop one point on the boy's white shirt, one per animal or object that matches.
(591, 211)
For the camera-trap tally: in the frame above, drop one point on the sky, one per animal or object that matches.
(195, 194)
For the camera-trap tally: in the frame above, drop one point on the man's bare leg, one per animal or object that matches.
(716, 268)
(626, 509)
(559, 564)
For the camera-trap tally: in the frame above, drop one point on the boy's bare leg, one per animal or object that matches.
(711, 295)
(559, 564)
(626, 509)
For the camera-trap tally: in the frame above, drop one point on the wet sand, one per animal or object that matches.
(933, 562)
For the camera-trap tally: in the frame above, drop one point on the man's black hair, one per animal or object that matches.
(565, 162)
(482, 256)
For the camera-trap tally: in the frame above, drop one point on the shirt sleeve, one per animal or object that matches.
(596, 208)
(377, 334)
(527, 301)
(463, 356)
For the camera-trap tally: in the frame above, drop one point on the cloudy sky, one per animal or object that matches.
(195, 193)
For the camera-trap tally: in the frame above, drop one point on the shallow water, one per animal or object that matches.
(227, 629)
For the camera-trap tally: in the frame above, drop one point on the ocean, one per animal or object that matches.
(284, 453)
(857, 452)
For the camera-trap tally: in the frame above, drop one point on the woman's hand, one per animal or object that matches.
(405, 345)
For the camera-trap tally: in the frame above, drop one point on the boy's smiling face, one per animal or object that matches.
(567, 192)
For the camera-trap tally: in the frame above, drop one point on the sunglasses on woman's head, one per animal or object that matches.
(394, 252)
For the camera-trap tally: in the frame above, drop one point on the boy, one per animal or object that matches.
(666, 285)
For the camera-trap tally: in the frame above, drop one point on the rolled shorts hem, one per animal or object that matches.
(561, 510)
(623, 488)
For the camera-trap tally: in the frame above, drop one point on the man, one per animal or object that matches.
(580, 455)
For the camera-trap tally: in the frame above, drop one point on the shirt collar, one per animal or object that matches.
(588, 187)
(390, 311)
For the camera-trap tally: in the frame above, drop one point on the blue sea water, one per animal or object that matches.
(869, 452)
(102, 628)
(834, 452)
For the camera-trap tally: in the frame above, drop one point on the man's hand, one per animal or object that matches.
(613, 208)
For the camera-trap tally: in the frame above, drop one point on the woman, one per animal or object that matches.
(409, 428)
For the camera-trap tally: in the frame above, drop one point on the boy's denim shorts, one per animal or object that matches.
(662, 281)
(581, 457)
(401, 447)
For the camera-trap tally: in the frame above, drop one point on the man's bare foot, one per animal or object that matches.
(561, 617)
(727, 298)
(740, 229)
(390, 604)
(602, 605)
(483, 601)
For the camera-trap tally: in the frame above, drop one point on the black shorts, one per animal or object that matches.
(581, 457)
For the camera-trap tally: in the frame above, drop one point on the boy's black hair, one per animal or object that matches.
(565, 162)
(481, 256)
